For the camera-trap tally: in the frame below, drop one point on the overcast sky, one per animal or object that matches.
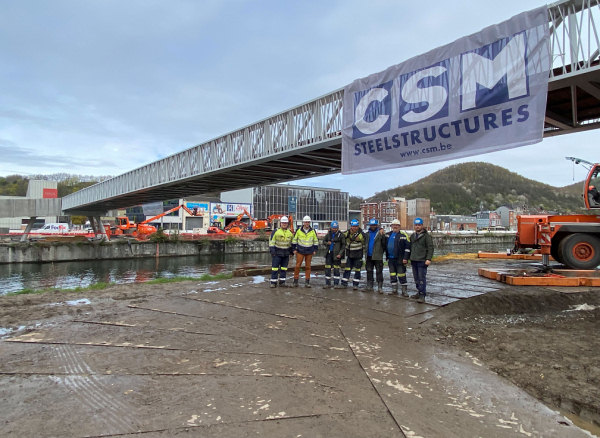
(102, 87)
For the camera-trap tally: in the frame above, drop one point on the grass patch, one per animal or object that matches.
(27, 292)
(203, 277)
(103, 285)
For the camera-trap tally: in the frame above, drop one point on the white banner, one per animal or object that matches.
(482, 93)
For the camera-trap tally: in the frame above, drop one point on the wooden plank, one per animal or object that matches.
(503, 255)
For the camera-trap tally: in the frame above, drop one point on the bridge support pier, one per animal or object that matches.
(97, 226)
(25, 236)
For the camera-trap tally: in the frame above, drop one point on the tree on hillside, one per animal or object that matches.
(467, 187)
(13, 185)
(355, 201)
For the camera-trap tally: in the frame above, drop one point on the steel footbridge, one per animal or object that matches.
(305, 141)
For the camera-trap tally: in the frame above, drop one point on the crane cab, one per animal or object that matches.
(592, 188)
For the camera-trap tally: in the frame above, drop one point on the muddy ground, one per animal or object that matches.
(235, 358)
(544, 340)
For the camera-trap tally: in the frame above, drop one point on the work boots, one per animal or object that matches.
(369, 286)
(404, 290)
(295, 282)
(394, 288)
(272, 285)
(307, 283)
(380, 287)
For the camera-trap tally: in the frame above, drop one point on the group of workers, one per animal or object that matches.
(353, 245)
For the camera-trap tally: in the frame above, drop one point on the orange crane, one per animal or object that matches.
(142, 230)
(271, 222)
(237, 226)
(573, 240)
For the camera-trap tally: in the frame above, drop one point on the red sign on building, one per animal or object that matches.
(50, 193)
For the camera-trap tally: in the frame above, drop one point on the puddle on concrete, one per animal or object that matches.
(592, 428)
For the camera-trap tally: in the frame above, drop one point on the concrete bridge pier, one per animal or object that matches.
(97, 226)
(25, 235)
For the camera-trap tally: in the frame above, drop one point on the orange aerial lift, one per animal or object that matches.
(271, 222)
(237, 226)
(573, 240)
(143, 229)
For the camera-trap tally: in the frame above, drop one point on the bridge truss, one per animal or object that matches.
(305, 141)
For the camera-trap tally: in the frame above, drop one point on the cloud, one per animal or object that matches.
(105, 87)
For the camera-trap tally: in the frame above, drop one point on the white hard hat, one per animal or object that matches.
(284, 220)
(306, 219)
(395, 222)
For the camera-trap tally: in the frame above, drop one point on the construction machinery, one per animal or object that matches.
(573, 240)
(271, 222)
(237, 226)
(141, 230)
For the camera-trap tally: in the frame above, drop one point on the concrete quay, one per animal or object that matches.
(57, 251)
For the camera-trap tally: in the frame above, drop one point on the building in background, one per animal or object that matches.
(397, 208)
(368, 211)
(323, 205)
(453, 222)
(488, 219)
(36, 190)
(419, 207)
(353, 214)
(508, 217)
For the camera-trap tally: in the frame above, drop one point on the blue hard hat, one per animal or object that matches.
(418, 221)
(334, 224)
(354, 223)
(373, 222)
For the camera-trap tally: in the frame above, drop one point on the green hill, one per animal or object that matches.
(468, 187)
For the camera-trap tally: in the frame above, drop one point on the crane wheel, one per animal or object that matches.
(556, 254)
(580, 251)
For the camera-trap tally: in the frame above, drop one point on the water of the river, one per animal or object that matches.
(69, 275)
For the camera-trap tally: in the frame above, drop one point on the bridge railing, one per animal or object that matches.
(575, 47)
(310, 123)
(574, 36)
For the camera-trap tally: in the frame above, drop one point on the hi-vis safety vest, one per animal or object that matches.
(305, 242)
(355, 243)
(281, 240)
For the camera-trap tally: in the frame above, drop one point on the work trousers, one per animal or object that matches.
(352, 264)
(279, 267)
(299, 259)
(378, 265)
(419, 269)
(332, 260)
(397, 271)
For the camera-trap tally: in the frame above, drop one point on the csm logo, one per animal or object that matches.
(490, 75)
(495, 73)
(424, 94)
(372, 110)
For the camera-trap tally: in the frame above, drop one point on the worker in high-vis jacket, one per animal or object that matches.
(355, 248)
(280, 246)
(398, 254)
(305, 244)
(335, 246)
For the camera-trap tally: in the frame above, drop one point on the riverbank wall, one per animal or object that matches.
(50, 252)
